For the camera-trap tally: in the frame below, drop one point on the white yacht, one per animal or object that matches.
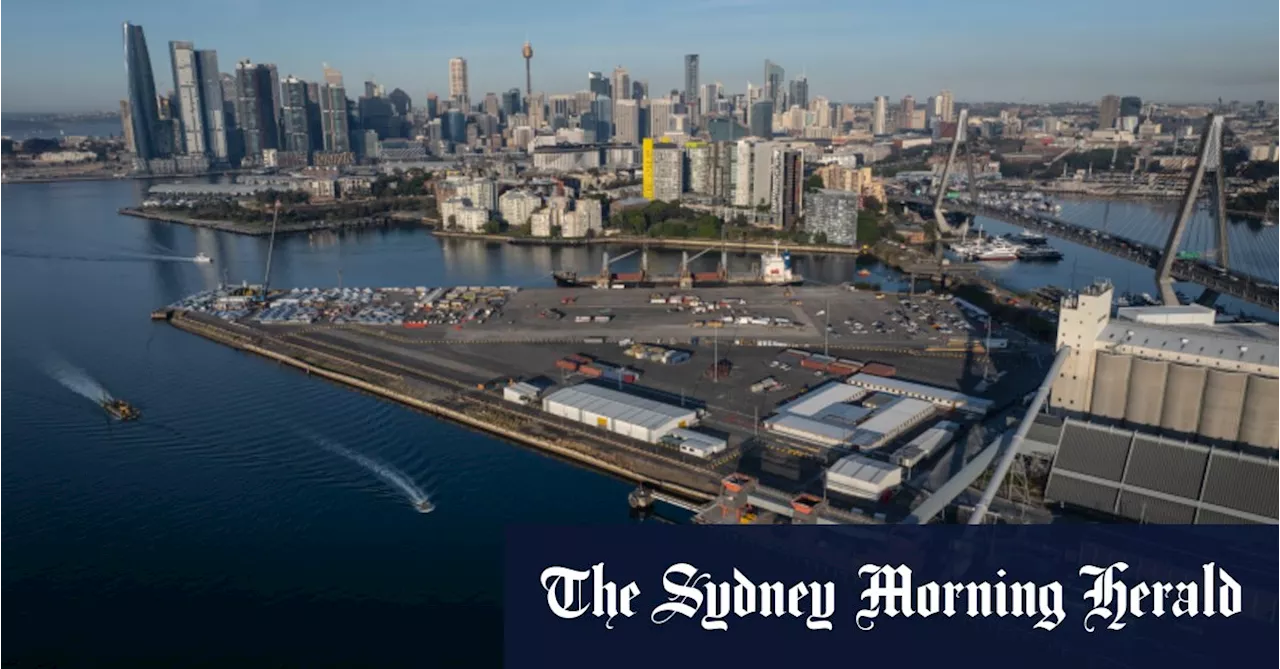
(202, 258)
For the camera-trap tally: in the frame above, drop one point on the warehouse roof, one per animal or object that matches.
(1242, 343)
(862, 469)
(1156, 479)
(696, 439)
(826, 432)
(619, 405)
(889, 419)
(814, 401)
(920, 391)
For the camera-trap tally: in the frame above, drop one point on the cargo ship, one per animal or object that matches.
(120, 409)
(775, 270)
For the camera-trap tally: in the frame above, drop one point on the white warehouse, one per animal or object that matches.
(618, 412)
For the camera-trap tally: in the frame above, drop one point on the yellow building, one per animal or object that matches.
(646, 161)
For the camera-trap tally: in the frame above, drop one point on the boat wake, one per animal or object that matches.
(121, 257)
(77, 381)
(390, 475)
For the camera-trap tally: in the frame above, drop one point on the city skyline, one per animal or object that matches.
(1066, 64)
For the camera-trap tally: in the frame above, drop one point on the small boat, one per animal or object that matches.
(202, 258)
(425, 506)
(863, 272)
(120, 409)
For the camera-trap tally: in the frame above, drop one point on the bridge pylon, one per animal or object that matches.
(1209, 160)
(940, 220)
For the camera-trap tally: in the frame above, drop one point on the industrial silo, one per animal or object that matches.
(1146, 391)
(1259, 425)
(1223, 397)
(1183, 392)
(1110, 385)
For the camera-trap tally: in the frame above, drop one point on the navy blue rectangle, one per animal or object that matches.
(535, 637)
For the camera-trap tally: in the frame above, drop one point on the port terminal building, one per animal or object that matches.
(1162, 414)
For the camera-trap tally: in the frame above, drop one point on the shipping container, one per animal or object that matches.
(706, 276)
(591, 371)
(879, 369)
(840, 370)
(813, 363)
(855, 364)
(628, 378)
(795, 353)
(629, 276)
(567, 365)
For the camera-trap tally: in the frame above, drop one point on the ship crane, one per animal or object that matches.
(686, 277)
(606, 261)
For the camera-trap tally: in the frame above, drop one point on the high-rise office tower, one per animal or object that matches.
(213, 107)
(1130, 105)
(906, 111)
(491, 104)
(511, 103)
(458, 82)
(293, 112)
(946, 107)
(126, 123)
(371, 89)
(659, 117)
(401, 102)
(774, 76)
(602, 110)
(878, 112)
(142, 93)
(626, 122)
(599, 85)
(254, 109)
(691, 79)
(315, 129)
(799, 93)
(273, 78)
(761, 118)
(455, 126)
(332, 76)
(639, 90)
(621, 88)
(527, 52)
(1108, 111)
(333, 115)
(707, 98)
(786, 178)
(433, 106)
(190, 111)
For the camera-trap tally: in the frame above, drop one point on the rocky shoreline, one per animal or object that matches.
(264, 229)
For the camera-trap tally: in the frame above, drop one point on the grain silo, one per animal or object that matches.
(1110, 385)
(1146, 391)
(1223, 397)
(1182, 395)
(1258, 421)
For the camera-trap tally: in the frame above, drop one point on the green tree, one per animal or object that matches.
(556, 231)
(813, 183)
(492, 227)
(452, 222)
(820, 238)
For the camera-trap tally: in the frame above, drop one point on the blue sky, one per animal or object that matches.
(66, 55)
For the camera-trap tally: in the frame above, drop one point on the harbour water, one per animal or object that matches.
(224, 525)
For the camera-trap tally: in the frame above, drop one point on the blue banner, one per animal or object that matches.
(1047, 596)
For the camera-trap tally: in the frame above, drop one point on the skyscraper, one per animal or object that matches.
(293, 112)
(332, 77)
(602, 111)
(511, 103)
(761, 120)
(1130, 105)
(126, 123)
(254, 111)
(799, 93)
(621, 88)
(215, 122)
(691, 80)
(401, 102)
(786, 177)
(639, 90)
(708, 97)
(626, 122)
(458, 82)
(774, 76)
(491, 104)
(598, 84)
(333, 115)
(190, 111)
(1108, 111)
(878, 112)
(906, 111)
(433, 105)
(659, 117)
(946, 107)
(142, 93)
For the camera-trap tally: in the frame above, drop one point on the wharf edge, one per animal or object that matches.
(195, 327)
